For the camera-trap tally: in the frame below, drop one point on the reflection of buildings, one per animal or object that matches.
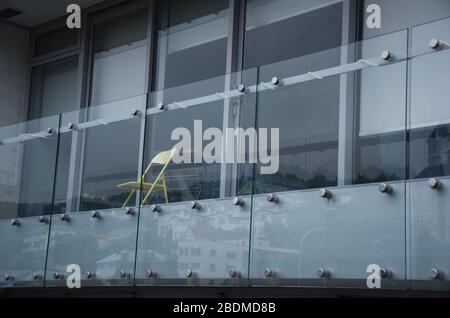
(429, 152)
(9, 189)
(108, 267)
(109, 247)
(30, 244)
(269, 252)
(209, 245)
(212, 258)
(438, 150)
(35, 241)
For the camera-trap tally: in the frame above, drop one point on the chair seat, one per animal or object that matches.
(136, 185)
(163, 159)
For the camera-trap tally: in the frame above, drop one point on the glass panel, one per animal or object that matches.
(430, 115)
(192, 41)
(100, 149)
(27, 167)
(380, 135)
(302, 233)
(194, 119)
(194, 179)
(120, 58)
(423, 34)
(429, 157)
(429, 238)
(98, 176)
(269, 26)
(27, 173)
(23, 248)
(210, 238)
(314, 102)
(307, 119)
(322, 103)
(103, 247)
(211, 243)
(54, 88)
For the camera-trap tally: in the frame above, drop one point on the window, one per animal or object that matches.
(191, 41)
(55, 41)
(195, 266)
(384, 127)
(380, 131)
(191, 48)
(429, 137)
(54, 88)
(231, 255)
(278, 30)
(196, 251)
(118, 80)
(183, 266)
(120, 58)
(27, 170)
(307, 115)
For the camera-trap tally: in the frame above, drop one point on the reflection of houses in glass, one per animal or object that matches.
(212, 258)
(108, 246)
(35, 241)
(110, 241)
(30, 244)
(438, 150)
(273, 251)
(108, 266)
(277, 245)
(209, 246)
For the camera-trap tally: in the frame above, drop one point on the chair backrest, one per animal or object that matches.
(163, 157)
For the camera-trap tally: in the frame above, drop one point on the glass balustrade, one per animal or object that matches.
(429, 152)
(195, 226)
(28, 153)
(326, 170)
(338, 128)
(96, 208)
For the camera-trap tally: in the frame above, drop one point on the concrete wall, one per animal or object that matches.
(14, 43)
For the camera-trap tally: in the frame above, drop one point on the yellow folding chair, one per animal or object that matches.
(163, 158)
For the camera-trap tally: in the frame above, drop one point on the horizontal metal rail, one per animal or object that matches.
(386, 58)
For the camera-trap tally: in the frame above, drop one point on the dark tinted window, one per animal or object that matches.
(287, 38)
(54, 88)
(283, 29)
(55, 40)
(192, 41)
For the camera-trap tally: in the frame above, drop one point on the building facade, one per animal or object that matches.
(349, 100)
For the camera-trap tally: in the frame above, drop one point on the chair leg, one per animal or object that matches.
(165, 188)
(129, 198)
